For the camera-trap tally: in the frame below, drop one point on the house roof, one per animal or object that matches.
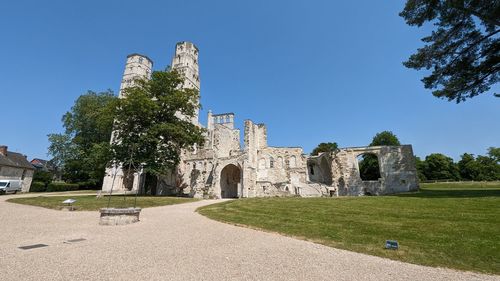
(15, 159)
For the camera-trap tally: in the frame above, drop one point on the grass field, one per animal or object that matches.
(446, 225)
(91, 203)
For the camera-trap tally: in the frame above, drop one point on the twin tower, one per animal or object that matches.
(184, 61)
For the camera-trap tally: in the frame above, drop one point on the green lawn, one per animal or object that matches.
(91, 203)
(446, 225)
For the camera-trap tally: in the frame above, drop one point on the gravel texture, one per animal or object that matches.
(176, 243)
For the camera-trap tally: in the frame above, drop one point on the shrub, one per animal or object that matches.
(38, 186)
(88, 185)
(55, 187)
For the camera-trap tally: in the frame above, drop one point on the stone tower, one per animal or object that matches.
(137, 66)
(185, 61)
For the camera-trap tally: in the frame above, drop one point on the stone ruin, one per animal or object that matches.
(220, 168)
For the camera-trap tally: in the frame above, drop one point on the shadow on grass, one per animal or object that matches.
(452, 193)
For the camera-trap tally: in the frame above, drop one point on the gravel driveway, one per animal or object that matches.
(175, 243)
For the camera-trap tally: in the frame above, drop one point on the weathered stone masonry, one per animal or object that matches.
(222, 169)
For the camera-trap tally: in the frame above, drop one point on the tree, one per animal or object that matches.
(385, 138)
(462, 51)
(43, 176)
(152, 124)
(494, 153)
(440, 167)
(488, 169)
(324, 147)
(421, 166)
(83, 149)
(467, 167)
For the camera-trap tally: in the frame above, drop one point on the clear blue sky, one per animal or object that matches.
(313, 71)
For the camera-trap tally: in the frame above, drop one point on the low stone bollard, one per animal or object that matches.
(117, 216)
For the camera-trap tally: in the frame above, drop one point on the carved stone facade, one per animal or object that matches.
(222, 169)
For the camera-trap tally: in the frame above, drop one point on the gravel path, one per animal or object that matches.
(175, 243)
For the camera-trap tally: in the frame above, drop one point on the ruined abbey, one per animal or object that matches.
(224, 169)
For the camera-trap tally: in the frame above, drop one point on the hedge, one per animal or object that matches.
(88, 185)
(38, 186)
(56, 186)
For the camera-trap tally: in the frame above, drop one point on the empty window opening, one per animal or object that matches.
(368, 167)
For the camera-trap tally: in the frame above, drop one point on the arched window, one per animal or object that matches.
(279, 162)
(271, 162)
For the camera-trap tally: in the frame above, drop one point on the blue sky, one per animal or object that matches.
(313, 71)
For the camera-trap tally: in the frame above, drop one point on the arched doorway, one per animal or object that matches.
(230, 178)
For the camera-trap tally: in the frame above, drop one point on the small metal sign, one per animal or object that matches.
(69, 201)
(29, 247)
(76, 240)
(391, 244)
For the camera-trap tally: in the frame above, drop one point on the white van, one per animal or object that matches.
(10, 186)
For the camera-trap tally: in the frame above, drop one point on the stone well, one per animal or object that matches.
(119, 216)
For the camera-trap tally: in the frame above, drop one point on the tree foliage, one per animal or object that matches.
(152, 124)
(480, 168)
(369, 169)
(494, 153)
(420, 165)
(43, 176)
(462, 51)
(82, 151)
(385, 138)
(440, 167)
(324, 147)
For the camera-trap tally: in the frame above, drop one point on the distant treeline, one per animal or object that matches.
(438, 166)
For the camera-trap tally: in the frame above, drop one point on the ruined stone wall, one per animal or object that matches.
(259, 170)
(225, 140)
(397, 170)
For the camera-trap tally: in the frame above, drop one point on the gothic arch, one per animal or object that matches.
(230, 181)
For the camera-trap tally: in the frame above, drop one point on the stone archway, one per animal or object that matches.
(230, 179)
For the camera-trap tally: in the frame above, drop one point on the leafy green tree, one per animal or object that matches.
(61, 148)
(82, 151)
(149, 130)
(421, 166)
(463, 49)
(43, 176)
(494, 153)
(324, 147)
(385, 138)
(440, 167)
(467, 167)
(488, 169)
